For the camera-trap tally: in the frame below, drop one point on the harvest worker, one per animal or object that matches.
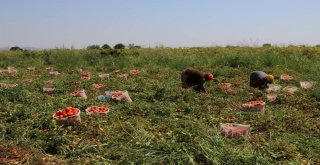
(259, 79)
(194, 78)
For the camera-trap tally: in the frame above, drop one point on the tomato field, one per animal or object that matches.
(164, 123)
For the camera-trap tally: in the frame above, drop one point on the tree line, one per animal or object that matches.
(91, 47)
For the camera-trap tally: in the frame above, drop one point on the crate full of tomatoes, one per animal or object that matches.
(254, 106)
(67, 116)
(232, 130)
(97, 110)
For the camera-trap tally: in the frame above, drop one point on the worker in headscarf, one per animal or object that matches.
(259, 79)
(194, 78)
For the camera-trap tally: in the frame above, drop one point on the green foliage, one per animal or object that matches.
(91, 58)
(119, 46)
(132, 46)
(106, 46)
(16, 48)
(165, 124)
(266, 45)
(92, 47)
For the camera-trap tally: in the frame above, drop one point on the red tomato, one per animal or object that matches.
(98, 110)
(85, 73)
(66, 112)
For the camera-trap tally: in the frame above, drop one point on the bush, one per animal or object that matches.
(119, 46)
(266, 45)
(110, 52)
(91, 47)
(16, 48)
(106, 46)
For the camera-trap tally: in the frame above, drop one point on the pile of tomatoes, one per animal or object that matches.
(85, 78)
(134, 72)
(97, 86)
(48, 90)
(224, 85)
(286, 77)
(76, 92)
(118, 95)
(98, 110)
(66, 112)
(234, 130)
(258, 102)
(85, 73)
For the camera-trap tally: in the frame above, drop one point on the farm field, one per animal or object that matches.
(164, 123)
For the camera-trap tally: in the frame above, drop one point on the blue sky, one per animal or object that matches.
(174, 23)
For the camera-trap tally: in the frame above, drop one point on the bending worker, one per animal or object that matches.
(194, 78)
(259, 79)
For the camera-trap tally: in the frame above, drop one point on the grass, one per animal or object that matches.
(164, 124)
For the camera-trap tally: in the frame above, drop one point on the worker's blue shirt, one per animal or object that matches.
(258, 79)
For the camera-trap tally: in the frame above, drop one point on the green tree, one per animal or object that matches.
(91, 47)
(119, 46)
(16, 48)
(106, 46)
(266, 45)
